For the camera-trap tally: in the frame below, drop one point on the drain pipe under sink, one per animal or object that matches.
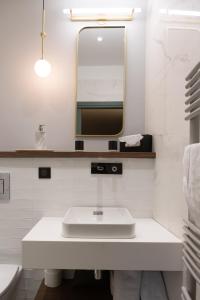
(97, 274)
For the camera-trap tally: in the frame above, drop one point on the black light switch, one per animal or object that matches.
(44, 172)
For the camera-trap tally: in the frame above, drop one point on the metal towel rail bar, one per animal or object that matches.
(193, 114)
(189, 242)
(193, 263)
(193, 236)
(193, 93)
(191, 255)
(193, 72)
(190, 269)
(193, 89)
(193, 80)
(193, 98)
(193, 106)
(193, 227)
(185, 294)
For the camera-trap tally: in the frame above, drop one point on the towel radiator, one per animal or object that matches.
(191, 245)
(193, 103)
(191, 261)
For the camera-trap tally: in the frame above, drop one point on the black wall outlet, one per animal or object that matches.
(44, 172)
(79, 145)
(106, 168)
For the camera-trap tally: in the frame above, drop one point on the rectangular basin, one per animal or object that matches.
(93, 222)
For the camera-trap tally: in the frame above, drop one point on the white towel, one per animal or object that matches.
(131, 140)
(191, 181)
(126, 285)
(152, 287)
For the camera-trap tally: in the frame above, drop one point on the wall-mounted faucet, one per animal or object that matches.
(106, 168)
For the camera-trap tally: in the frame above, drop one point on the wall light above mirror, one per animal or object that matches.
(179, 12)
(100, 92)
(101, 14)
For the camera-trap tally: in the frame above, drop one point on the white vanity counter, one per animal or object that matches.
(153, 248)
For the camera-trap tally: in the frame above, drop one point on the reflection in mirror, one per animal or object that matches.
(100, 81)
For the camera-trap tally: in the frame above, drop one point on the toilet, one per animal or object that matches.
(9, 275)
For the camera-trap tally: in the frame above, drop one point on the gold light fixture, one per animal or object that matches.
(101, 14)
(42, 66)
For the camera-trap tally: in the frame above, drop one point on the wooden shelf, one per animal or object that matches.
(74, 154)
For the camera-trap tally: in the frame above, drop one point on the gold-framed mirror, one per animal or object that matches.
(100, 86)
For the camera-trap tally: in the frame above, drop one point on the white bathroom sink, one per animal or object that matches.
(93, 222)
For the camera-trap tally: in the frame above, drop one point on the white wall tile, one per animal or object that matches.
(71, 185)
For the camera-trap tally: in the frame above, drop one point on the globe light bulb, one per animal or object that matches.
(42, 68)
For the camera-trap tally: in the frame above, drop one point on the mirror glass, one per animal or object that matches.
(100, 81)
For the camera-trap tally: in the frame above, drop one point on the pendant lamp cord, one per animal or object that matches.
(43, 33)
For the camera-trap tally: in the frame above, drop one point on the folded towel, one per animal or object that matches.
(191, 181)
(126, 285)
(131, 140)
(153, 287)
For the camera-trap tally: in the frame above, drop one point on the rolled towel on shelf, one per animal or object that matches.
(131, 140)
(125, 285)
(145, 144)
(191, 181)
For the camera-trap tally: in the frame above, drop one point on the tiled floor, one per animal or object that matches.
(83, 287)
